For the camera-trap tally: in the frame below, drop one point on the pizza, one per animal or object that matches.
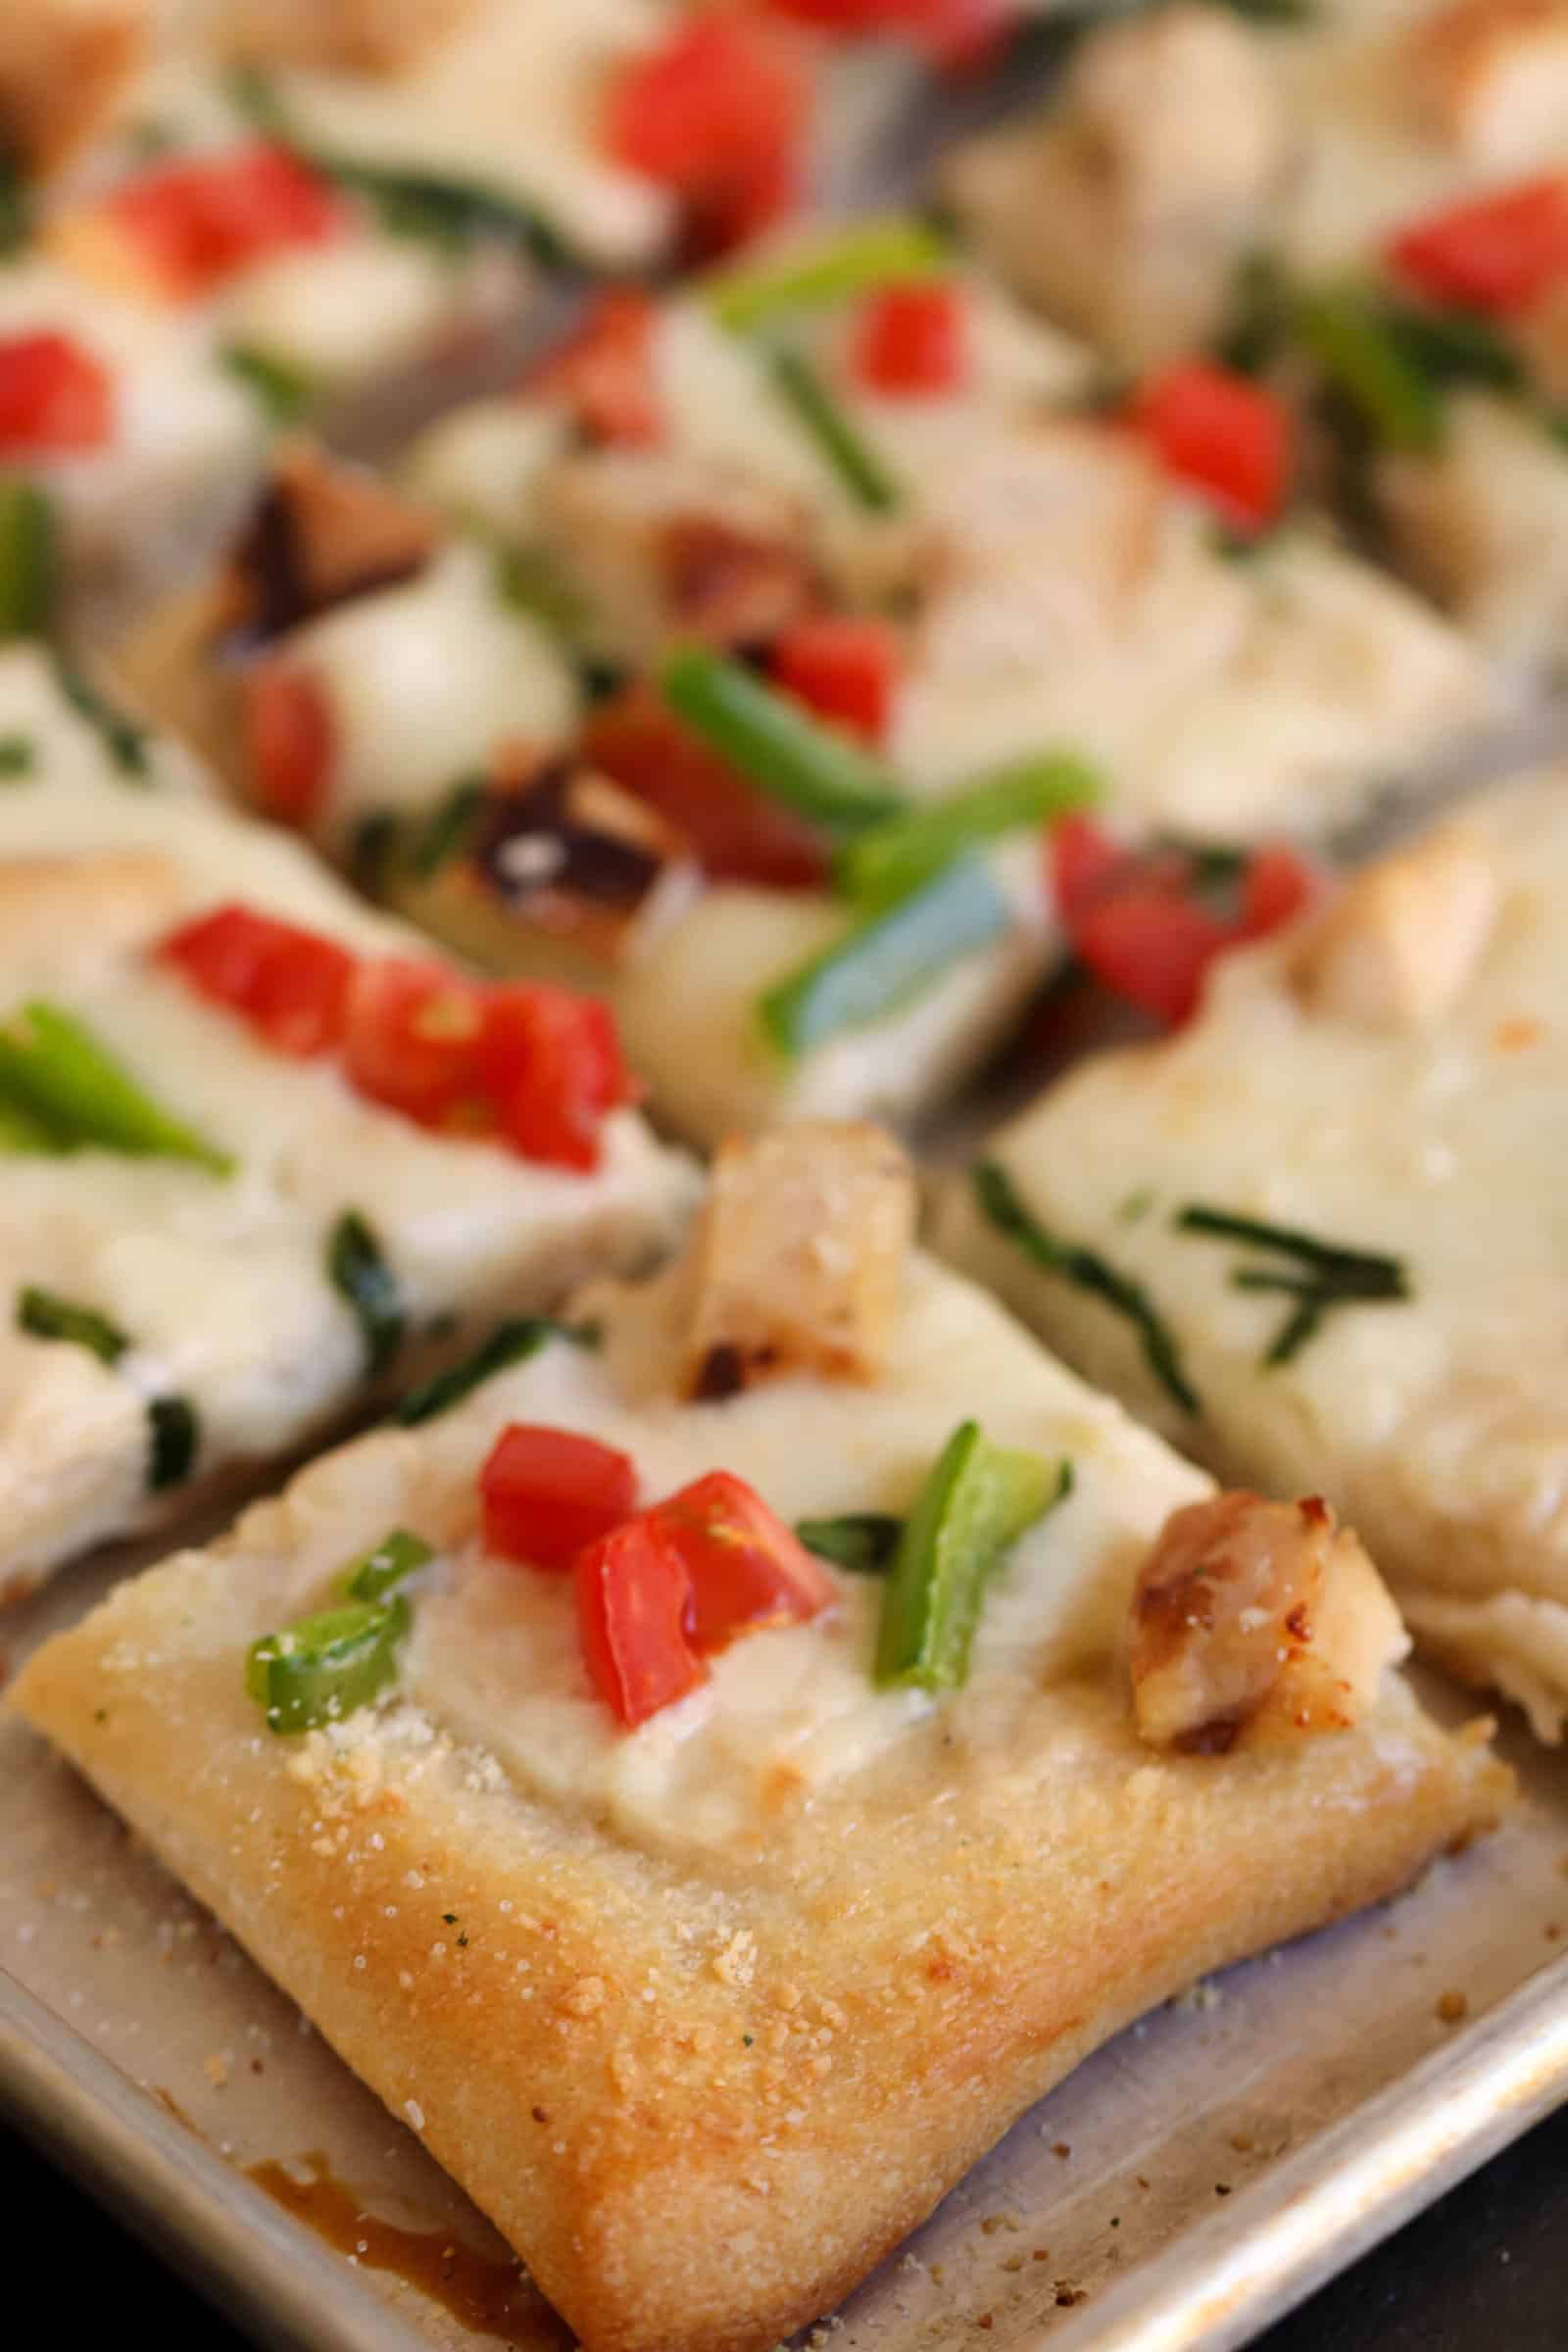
(249, 1177)
(702, 1768)
(1319, 1224)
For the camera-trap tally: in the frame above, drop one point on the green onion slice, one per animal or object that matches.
(44, 1315)
(892, 859)
(893, 956)
(862, 1542)
(359, 1274)
(1318, 1275)
(323, 1668)
(53, 1068)
(978, 1500)
(19, 757)
(777, 745)
(862, 471)
(174, 1433)
(283, 390)
(511, 1343)
(449, 829)
(1362, 356)
(392, 1561)
(29, 562)
(125, 740)
(874, 254)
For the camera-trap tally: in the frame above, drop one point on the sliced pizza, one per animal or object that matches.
(708, 1771)
(260, 1150)
(1321, 1227)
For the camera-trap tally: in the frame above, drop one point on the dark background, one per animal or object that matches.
(1483, 2271)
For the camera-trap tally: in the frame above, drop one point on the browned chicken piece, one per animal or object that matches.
(796, 1258)
(1491, 76)
(324, 531)
(351, 36)
(1396, 949)
(98, 907)
(1255, 1623)
(64, 65)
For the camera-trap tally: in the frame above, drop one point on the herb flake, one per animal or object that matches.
(511, 1343)
(361, 1275)
(1317, 1276)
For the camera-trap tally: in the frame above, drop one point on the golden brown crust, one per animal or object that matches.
(62, 69)
(804, 2047)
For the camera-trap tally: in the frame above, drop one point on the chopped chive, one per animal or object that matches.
(124, 739)
(1454, 346)
(1331, 1258)
(391, 1563)
(373, 848)
(1000, 1202)
(1330, 1276)
(840, 440)
(174, 1433)
(862, 1542)
(449, 829)
(361, 1275)
(511, 1343)
(29, 561)
(22, 1130)
(53, 1068)
(324, 1668)
(891, 859)
(776, 743)
(284, 391)
(19, 757)
(1364, 362)
(859, 261)
(885, 961)
(44, 1315)
(530, 581)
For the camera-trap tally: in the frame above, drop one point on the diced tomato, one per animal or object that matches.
(1081, 861)
(718, 113)
(1152, 946)
(1496, 253)
(291, 985)
(196, 222)
(1277, 885)
(55, 398)
(910, 342)
(1226, 436)
(738, 834)
(604, 371)
(549, 1492)
(633, 1594)
(551, 1069)
(748, 1570)
(411, 1040)
(290, 750)
(841, 668)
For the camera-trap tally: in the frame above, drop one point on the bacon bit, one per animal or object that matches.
(604, 371)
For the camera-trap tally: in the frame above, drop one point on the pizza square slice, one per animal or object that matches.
(262, 1151)
(1321, 1225)
(709, 1811)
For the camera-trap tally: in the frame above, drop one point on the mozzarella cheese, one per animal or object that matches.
(1425, 1127)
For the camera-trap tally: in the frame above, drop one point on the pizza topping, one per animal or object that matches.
(323, 1669)
(1002, 1207)
(386, 1565)
(323, 533)
(1362, 358)
(289, 983)
(866, 259)
(172, 1428)
(891, 859)
(182, 230)
(910, 342)
(886, 960)
(56, 1074)
(62, 71)
(632, 1592)
(28, 561)
(357, 1269)
(549, 1492)
(124, 739)
(977, 1502)
(1229, 438)
(796, 1258)
(727, 584)
(1317, 1276)
(511, 1343)
(56, 399)
(780, 748)
(1489, 75)
(844, 667)
(603, 373)
(1397, 947)
(174, 1433)
(580, 856)
(1496, 253)
(862, 1543)
(839, 439)
(1255, 1622)
(748, 1572)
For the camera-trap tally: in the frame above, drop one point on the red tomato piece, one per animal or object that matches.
(738, 834)
(411, 1039)
(910, 342)
(633, 1594)
(289, 983)
(56, 399)
(604, 371)
(1226, 436)
(718, 113)
(1081, 862)
(841, 668)
(549, 1492)
(1277, 885)
(748, 1570)
(1497, 253)
(196, 222)
(290, 750)
(1152, 944)
(552, 1069)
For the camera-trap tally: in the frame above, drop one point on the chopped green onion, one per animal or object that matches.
(1331, 1275)
(893, 956)
(977, 1502)
(840, 440)
(859, 260)
(174, 1433)
(511, 1343)
(777, 745)
(361, 1275)
(124, 739)
(22, 1131)
(19, 757)
(1000, 1202)
(372, 846)
(862, 1542)
(44, 1315)
(325, 1667)
(530, 581)
(1260, 314)
(283, 389)
(449, 829)
(1454, 347)
(1362, 358)
(394, 1560)
(29, 561)
(890, 859)
(53, 1068)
